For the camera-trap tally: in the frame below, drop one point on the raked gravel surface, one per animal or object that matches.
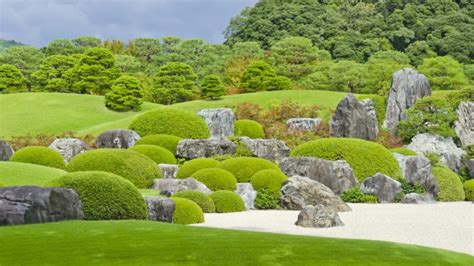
(442, 225)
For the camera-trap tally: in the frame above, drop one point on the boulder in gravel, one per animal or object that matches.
(382, 186)
(6, 151)
(160, 209)
(318, 216)
(270, 149)
(299, 191)
(470, 167)
(302, 124)
(32, 204)
(171, 186)
(197, 148)
(69, 147)
(117, 138)
(168, 170)
(464, 126)
(337, 175)
(220, 121)
(407, 87)
(248, 195)
(417, 170)
(414, 198)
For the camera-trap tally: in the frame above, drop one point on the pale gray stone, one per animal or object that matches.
(6, 151)
(302, 124)
(171, 186)
(197, 148)
(414, 198)
(248, 195)
(117, 138)
(69, 147)
(318, 216)
(382, 186)
(270, 149)
(220, 121)
(418, 171)
(168, 170)
(160, 208)
(464, 126)
(470, 167)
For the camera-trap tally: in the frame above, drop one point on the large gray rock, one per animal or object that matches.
(171, 186)
(299, 191)
(450, 154)
(160, 208)
(31, 204)
(353, 119)
(248, 195)
(220, 121)
(69, 147)
(302, 124)
(270, 149)
(417, 170)
(318, 217)
(464, 126)
(382, 186)
(168, 170)
(414, 198)
(118, 138)
(470, 167)
(197, 148)
(6, 151)
(337, 175)
(407, 87)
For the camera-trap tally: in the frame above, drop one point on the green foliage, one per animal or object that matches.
(168, 142)
(268, 180)
(243, 168)
(187, 212)
(126, 94)
(355, 195)
(418, 51)
(86, 42)
(404, 151)
(190, 167)
(260, 76)
(26, 58)
(212, 87)
(456, 97)
(204, 201)
(248, 128)
(39, 155)
(131, 165)
(216, 179)
(366, 158)
(60, 47)
(11, 79)
(266, 200)
(127, 64)
(434, 158)
(379, 70)
(52, 74)
(105, 196)
(444, 73)
(408, 188)
(169, 121)
(449, 183)
(158, 154)
(227, 201)
(469, 189)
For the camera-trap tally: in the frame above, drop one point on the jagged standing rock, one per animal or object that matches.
(302, 124)
(418, 171)
(220, 121)
(270, 149)
(470, 167)
(6, 151)
(385, 188)
(69, 147)
(198, 148)
(318, 217)
(160, 208)
(464, 126)
(168, 170)
(248, 195)
(119, 139)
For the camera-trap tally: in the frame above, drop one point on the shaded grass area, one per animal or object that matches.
(25, 174)
(153, 243)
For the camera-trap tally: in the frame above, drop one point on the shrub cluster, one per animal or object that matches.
(201, 199)
(187, 212)
(227, 201)
(354, 195)
(168, 142)
(270, 180)
(468, 189)
(190, 167)
(156, 153)
(39, 155)
(249, 128)
(20, 141)
(266, 200)
(449, 183)
(243, 168)
(216, 179)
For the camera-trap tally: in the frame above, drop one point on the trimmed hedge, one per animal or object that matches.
(131, 165)
(227, 201)
(249, 128)
(365, 157)
(468, 189)
(449, 183)
(216, 179)
(404, 151)
(168, 142)
(190, 167)
(269, 180)
(105, 196)
(204, 201)
(156, 153)
(40, 156)
(187, 212)
(243, 168)
(169, 121)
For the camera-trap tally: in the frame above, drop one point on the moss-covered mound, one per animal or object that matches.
(187, 212)
(169, 121)
(216, 179)
(365, 157)
(404, 151)
(468, 189)
(156, 153)
(105, 196)
(190, 167)
(201, 199)
(243, 168)
(269, 180)
(40, 156)
(168, 142)
(227, 201)
(249, 128)
(131, 165)
(449, 183)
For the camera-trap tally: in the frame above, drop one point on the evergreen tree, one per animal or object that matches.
(212, 87)
(126, 94)
(11, 79)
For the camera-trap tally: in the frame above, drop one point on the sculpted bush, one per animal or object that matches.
(201, 199)
(190, 167)
(39, 155)
(168, 142)
(187, 212)
(243, 168)
(156, 153)
(227, 201)
(216, 179)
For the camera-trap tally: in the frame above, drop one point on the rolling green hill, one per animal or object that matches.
(22, 174)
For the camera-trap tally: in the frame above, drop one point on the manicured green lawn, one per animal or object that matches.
(149, 192)
(153, 243)
(23, 174)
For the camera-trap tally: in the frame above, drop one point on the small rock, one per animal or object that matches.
(302, 124)
(168, 170)
(119, 139)
(417, 170)
(318, 217)
(160, 209)
(172, 186)
(470, 167)
(197, 148)
(248, 195)
(6, 151)
(270, 149)
(69, 147)
(220, 121)
(382, 186)
(414, 198)
(464, 126)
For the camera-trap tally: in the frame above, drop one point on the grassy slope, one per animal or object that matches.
(21, 174)
(153, 243)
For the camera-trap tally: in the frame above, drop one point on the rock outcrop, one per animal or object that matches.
(160, 208)
(318, 217)
(118, 138)
(248, 195)
(414, 198)
(220, 121)
(464, 126)
(382, 186)
(168, 170)
(69, 147)
(302, 124)
(270, 149)
(171, 186)
(417, 170)
(197, 148)
(6, 151)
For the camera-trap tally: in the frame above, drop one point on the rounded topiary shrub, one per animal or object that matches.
(105, 196)
(168, 142)
(201, 199)
(404, 151)
(243, 168)
(39, 155)
(249, 128)
(449, 183)
(156, 153)
(227, 201)
(187, 212)
(131, 165)
(468, 189)
(270, 180)
(365, 157)
(216, 179)
(169, 121)
(190, 167)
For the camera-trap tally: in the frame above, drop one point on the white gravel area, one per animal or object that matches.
(442, 225)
